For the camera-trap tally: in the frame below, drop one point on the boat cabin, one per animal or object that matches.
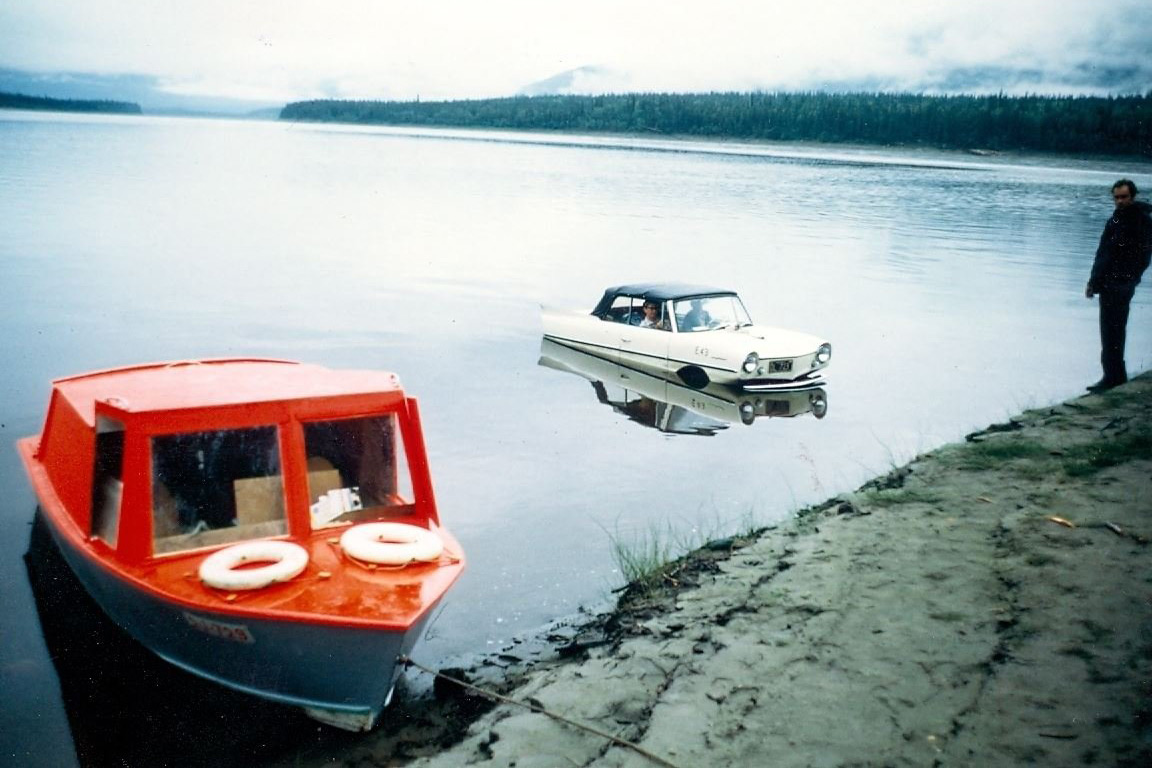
(153, 461)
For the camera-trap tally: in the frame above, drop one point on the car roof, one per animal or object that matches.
(665, 291)
(657, 292)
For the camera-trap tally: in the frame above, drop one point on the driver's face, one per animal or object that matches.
(650, 309)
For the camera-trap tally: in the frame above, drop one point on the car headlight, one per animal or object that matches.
(824, 354)
(751, 363)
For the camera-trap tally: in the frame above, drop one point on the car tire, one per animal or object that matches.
(693, 376)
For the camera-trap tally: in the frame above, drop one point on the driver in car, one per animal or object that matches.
(652, 317)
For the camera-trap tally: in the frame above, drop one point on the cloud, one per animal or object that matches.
(283, 50)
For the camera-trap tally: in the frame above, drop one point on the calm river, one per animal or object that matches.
(949, 285)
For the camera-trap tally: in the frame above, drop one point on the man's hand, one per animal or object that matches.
(1088, 292)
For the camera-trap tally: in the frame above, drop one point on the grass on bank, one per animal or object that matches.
(1086, 459)
(647, 559)
(643, 559)
(890, 497)
(1031, 457)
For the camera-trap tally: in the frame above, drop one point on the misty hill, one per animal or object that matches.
(1119, 125)
(580, 81)
(20, 101)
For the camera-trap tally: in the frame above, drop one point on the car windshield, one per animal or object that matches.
(707, 313)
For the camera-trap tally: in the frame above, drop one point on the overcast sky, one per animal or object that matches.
(286, 50)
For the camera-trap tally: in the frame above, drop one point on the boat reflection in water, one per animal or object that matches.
(126, 706)
(668, 405)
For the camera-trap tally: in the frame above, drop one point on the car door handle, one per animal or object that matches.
(625, 340)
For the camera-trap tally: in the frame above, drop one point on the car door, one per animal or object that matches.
(640, 347)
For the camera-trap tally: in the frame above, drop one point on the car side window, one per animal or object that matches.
(652, 315)
(625, 309)
(694, 314)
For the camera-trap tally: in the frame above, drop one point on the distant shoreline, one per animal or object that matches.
(45, 104)
(19, 102)
(1099, 126)
(793, 148)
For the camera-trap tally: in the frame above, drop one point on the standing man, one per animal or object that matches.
(1121, 258)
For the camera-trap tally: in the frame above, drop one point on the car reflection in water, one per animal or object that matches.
(670, 406)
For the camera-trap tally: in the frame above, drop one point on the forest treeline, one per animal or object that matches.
(1118, 125)
(20, 101)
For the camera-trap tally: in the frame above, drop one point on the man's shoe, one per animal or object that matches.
(1104, 385)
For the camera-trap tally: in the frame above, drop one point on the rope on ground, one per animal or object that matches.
(407, 661)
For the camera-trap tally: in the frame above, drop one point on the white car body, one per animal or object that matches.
(702, 335)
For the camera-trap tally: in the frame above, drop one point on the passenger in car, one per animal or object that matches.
(697, 316)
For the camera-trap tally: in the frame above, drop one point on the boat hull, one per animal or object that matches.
(342, 675)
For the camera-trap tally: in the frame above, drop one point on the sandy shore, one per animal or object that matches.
(989, 604)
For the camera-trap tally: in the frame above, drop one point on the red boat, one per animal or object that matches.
(266, 524)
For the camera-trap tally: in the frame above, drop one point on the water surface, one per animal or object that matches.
(950, 286)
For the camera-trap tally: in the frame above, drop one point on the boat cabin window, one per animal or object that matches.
(216, 487)
(357, 470)
(107, 480)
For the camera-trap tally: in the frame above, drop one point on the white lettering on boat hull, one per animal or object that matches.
(237, 633)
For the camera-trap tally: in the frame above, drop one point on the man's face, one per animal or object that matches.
(1122, 196)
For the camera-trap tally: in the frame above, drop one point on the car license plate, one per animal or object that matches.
(780, 366)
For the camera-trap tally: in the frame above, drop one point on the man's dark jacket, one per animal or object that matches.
(1125, 249)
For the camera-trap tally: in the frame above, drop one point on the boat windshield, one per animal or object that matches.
(357, 470)
(707, 313)
(215, 487)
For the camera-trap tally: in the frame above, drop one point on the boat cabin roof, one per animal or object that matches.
(219, 383)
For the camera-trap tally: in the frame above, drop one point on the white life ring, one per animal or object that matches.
(391, 543)
(284, 559)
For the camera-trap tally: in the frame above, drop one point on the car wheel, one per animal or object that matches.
(693, 376)
(819, 403)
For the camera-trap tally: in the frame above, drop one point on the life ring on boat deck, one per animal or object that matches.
(284, 559)
(391, 543)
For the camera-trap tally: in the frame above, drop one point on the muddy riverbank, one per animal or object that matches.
(989, 603)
